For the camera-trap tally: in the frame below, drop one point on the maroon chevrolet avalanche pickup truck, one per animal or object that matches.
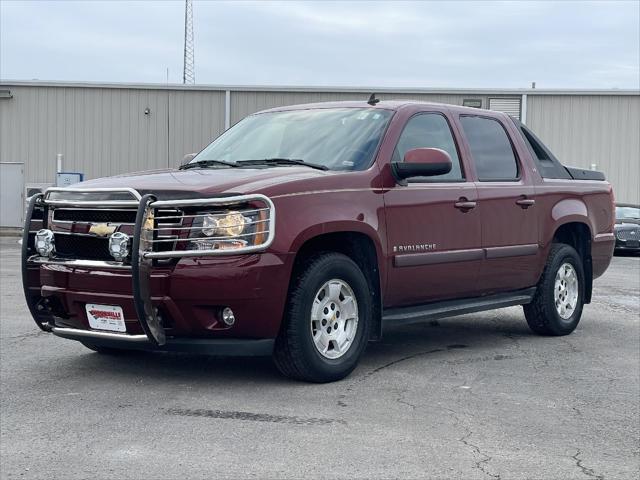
(302, 231)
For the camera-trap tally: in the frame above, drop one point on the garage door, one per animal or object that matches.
(11, 194)
(510, 106)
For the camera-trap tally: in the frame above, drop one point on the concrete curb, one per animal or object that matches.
(10, 231)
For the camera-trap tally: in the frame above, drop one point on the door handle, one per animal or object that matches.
(464, 205)
(525, 202)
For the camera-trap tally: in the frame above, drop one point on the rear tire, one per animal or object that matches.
(556, 307)
(327, 320)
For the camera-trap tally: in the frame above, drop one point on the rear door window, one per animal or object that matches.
(491, 149)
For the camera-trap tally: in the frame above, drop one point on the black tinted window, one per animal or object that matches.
(490, 148)
(429, 130)
(535, 147)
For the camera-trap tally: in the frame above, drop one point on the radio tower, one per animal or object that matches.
(188, 72)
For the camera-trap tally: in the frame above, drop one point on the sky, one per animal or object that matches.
(429, 44)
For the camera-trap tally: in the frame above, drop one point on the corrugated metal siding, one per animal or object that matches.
(102, 130)
(99, 131)
(244, 103)
(195, 118)
(585, 130)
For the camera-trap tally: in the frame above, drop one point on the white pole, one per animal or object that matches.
(227, 109)
(523, 109)
(59, 158)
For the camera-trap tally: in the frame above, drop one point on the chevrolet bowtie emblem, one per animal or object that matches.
(102, 229)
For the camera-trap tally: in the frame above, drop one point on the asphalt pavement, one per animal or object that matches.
(475, 397)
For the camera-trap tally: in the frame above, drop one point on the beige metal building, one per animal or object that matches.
(106, 129)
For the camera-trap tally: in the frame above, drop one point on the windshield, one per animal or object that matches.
(627, 212)
(337, 138)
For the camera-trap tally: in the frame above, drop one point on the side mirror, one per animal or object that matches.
(422, 162)
(187, 158)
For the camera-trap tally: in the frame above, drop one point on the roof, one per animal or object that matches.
(319, 89)
(382, 104)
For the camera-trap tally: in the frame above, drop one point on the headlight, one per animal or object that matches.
(230, 224)
(228, 230)
(44, 242)
(119, 246)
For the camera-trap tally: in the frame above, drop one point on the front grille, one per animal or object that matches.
(94, 216)
(110, 216)
(37, 214)
(80, 246)
(628, 234)
(88, 247)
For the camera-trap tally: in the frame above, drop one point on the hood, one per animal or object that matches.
(196, 182)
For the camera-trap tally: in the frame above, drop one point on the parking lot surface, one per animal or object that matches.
(474, 397)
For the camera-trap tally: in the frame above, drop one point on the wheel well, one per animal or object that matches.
(578, 235)
(361, 249)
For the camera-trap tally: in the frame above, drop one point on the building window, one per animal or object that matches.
(472, 102)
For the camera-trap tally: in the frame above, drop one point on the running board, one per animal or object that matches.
(451, 308)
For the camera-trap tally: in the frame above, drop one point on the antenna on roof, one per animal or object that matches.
(373, 100)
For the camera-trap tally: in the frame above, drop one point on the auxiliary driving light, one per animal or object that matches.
(44, 242)
(119, 246)
(228, 317)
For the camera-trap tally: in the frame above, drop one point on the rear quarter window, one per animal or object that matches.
(548, 165)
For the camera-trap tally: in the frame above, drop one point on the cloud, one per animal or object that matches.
(419, 44)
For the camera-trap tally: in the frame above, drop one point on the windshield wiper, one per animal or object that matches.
(282, 161)
(206, 163)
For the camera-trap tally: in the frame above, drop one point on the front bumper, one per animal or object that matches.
(217, 346)
(165, 308)
(626, 246)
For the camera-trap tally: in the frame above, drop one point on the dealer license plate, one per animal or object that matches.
(105, 317)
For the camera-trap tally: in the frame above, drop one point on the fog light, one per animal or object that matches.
(119, 246)
(228, 317)
(44, 242)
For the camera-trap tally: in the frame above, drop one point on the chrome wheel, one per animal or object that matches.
(334, 319)
(565, 291)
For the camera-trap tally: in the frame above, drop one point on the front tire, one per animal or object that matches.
(327, 320)
(556, 307)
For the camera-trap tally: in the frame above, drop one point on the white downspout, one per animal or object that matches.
(227, 109)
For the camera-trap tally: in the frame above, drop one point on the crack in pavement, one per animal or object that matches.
(571, 346)
(479, 464)
(400, 398)
(341, 398)
(486, 358)
(24, 335)
(399, 360)
(589, 472)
